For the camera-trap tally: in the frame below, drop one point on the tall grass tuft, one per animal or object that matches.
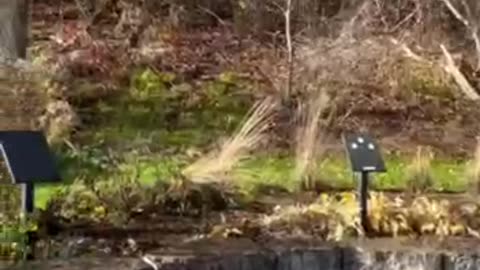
(214, 166)
(309, 146)
(419, 172)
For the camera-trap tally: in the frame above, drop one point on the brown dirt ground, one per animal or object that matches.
(449, 125)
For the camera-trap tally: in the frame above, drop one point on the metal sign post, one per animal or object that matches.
(365, 157)
(28, 198)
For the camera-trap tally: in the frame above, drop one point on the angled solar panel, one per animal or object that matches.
(27, 157)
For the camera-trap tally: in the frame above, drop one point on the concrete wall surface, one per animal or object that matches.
(321, 258)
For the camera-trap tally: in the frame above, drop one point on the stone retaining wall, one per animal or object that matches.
(321, 258)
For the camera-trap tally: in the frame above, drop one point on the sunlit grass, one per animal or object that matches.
(447, 175)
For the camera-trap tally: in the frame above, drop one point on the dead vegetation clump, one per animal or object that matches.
(336, 217)
(329, 218)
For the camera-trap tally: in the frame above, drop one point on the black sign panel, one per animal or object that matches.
(27, 157)
(364, 153)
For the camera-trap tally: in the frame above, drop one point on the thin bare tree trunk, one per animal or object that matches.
(13, 29)
(14, 16)
(288, 34)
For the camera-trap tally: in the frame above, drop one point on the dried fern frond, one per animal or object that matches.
(309, 136)
(248, 136)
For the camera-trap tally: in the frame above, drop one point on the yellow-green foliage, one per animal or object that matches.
(12, 244)
(10, 198)
(78, 202)
(147, 84)
(9, 203)
(110, 200)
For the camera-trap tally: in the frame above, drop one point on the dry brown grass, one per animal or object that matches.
(419, 172)
(215, 166)
(473, 172)
(309, 138)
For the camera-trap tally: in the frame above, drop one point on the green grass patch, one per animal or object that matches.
(162, 112)
(277, 171)
(448, 175)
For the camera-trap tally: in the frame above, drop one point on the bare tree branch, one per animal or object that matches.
(288, 34)
(408, 52)
(457, 75)
(468, 22)
(456, 13)
(406, 19)
(213, 14)
(287, 13)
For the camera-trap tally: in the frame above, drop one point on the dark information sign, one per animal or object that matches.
(364, 154)
(27, 157)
